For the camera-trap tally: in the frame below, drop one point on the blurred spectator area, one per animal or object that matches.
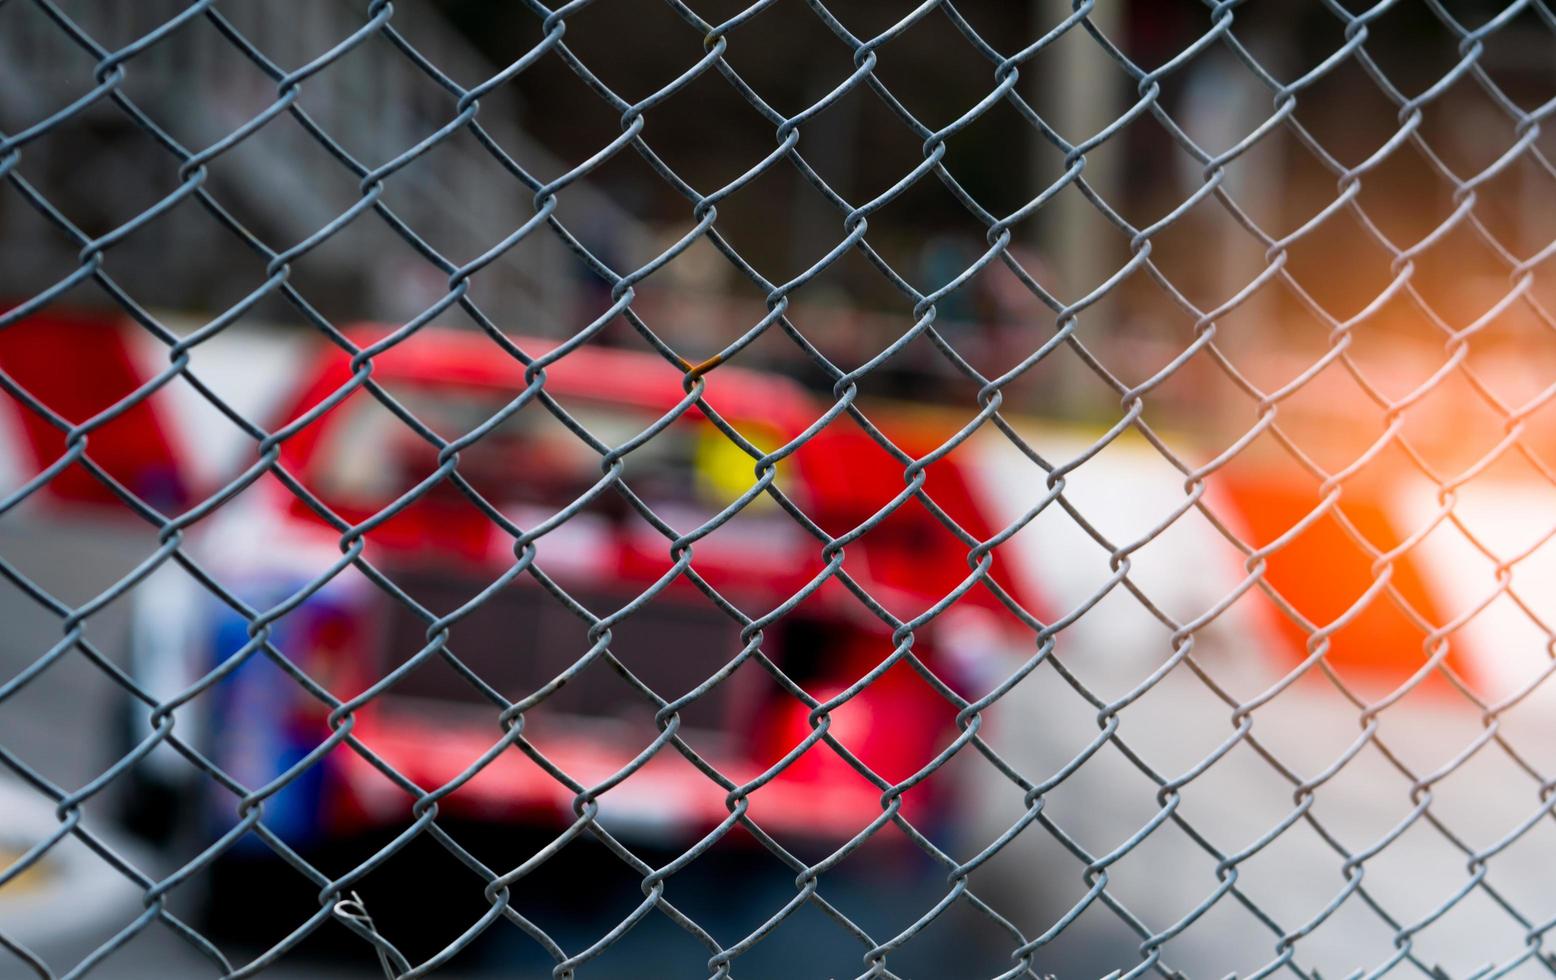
(101, 168)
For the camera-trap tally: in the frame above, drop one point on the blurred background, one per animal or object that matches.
(1359, 214)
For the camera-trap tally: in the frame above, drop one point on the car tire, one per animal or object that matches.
(148, 806)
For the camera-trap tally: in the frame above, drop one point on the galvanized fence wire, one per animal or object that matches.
(336, 897)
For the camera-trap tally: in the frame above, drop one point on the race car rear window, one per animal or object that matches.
(368, 456)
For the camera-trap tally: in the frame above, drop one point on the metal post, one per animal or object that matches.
(1078, 90)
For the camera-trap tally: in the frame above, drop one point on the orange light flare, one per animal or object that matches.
(1421, 456)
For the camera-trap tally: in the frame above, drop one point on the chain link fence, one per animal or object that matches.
(795, 489)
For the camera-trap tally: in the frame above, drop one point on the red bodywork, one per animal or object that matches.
(840, 477)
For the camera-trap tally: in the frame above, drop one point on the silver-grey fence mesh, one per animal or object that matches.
(1201, 215)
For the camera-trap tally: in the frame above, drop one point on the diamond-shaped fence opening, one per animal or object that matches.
(691, 488)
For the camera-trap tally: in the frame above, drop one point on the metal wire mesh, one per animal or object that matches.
(1070, 341)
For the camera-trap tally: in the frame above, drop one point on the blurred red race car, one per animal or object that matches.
(440, 716)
